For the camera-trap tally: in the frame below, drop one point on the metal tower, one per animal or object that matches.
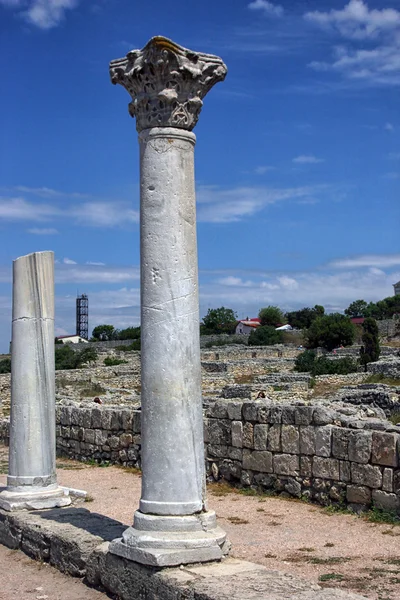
(82, 316)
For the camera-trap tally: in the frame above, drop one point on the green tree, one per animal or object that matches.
(104, 333)
(265, 336)
(302, 319)
(219, 320)
(330, 331)
(358, 308)
(308, 362)
(370, 350)
(130, 333)
(271, 316)
(5, 365)
(67, 358)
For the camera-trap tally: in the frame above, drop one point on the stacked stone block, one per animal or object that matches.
(100, 434)
(309, 452)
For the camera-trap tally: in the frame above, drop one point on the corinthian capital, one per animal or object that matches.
(167, 83)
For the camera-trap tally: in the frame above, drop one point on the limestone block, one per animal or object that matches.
(286, 464)
(133, 454)
(307, 440)
(125, 440)
(65, 417)
(385, 501)
(127, 420)
(218, 409)
(86, 418)
(237, 434)
(264, 413)
(96, 418)
(323, 441)
(326, 468)
(360, 444)
(290, 439)
(276, 414)
(89, 436)
(235, 453)
(340, 443)
(248, 435)
(235, 410)
(250, 411)
(274, 438)
(100, 437)
(260, 436)
(303, 415)
(217, 451)
(260, 461)
(246, 478)
(66, 432)
(387, 480)
(75, 416)
(113, 442)
(293, 487)
(323, 415)
(219, 432)
(136, 421)
(205, 431)
(81, 434)
(115, 420)
(358, 494)
(366, 475)
(344, 470)
(306, 466)
(288, 415)
(384, 449)
(106, 418)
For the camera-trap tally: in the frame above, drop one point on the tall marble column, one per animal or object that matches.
(172, 526)
(31, 481)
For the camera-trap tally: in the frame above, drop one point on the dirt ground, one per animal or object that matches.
(332, 549)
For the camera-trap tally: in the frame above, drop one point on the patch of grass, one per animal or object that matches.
(395, 418)
(132, 470)
(270, 555)
(113, 362)
(381, 378)
(329, 545)
(244, 379)
(221, 488)
(237, 520)
(305, 549)
(3, 467)
(274, 523)
(331, 560)
(260, 510)
(377, 515)
(89, 498)
(392, 532)
(331, 577)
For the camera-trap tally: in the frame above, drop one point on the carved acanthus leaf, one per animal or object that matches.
(167, 83)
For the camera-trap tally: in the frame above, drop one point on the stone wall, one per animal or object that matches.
(101, 434)
(310, 452)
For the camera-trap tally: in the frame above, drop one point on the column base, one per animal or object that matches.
(166, 541)
(34, 498)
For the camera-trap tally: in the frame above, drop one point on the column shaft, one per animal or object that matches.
(172, 424)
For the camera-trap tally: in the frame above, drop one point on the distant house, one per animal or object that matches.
(396, 287)
(71, 339)
(357, 320)
(246, 326)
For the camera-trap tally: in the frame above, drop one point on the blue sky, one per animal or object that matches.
(297, 156)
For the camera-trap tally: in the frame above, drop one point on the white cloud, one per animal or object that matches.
(88, 274)
(263, 169)
(234, 282)
(94, 214)
(392, 175)
(356, 21)
(219, 205)
(394, 156)
(307, 159)
(43, 231)
(268, 8)
(96, 264)
(367, 260)
(68, 261)
(389, 127)
(44, 14)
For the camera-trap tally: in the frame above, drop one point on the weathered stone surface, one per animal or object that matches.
(305, 466)
(248, 435)
(323, 437)
(257, 461)
(323, 415)
(358, 494)
(384, 449)
(307, 440)
(288, 415)
(219, 431)
(260, 436)
(385, 501)
(290, 439)
(274, 438)
(303, 415)
(235, 410)
(367, 475)
(237, 434)
(326, 468)
(344, 470)
(360, 444)
(387, 480)
(250, 411)
(340, 443)
(286, 464)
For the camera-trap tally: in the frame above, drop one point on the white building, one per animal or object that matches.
(245, 327)
(71, 339)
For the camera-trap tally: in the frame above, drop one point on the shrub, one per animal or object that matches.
(134, 346)
(308, 362)
(271, 316)
(110, 361)
(66, 358)
(370, 351)
(5, 365)
(265, 336)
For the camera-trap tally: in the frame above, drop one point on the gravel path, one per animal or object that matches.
(336, 550)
